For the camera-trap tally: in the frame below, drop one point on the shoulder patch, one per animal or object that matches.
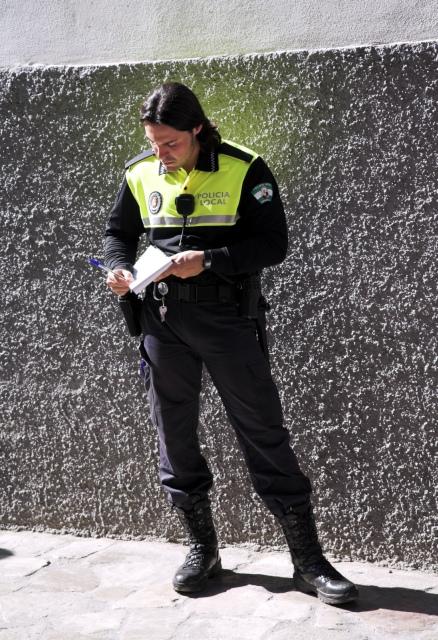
(263, 192)
(229, 150)
(141, 156)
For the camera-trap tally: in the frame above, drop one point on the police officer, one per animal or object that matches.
(214, 207)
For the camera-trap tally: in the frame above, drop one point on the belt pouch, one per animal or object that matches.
(131, 304)
(250, 296)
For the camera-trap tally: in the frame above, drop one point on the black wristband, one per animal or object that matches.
(206, 263)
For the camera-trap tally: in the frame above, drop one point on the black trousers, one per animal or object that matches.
(216, 335)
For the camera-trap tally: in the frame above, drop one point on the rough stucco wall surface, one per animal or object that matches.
(106, 31)
(350, 136)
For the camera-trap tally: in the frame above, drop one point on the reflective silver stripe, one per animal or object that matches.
(163, 221)
(173, 221)
(224, 219)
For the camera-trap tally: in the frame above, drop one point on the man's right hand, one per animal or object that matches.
(119, 281)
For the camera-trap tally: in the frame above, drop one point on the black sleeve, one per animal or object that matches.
(263, 228)
(123, 230)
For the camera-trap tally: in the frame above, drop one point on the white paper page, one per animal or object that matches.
(150, 264)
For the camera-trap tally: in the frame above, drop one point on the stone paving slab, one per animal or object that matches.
(61, 587)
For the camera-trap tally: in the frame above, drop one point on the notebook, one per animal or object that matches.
(148, 267)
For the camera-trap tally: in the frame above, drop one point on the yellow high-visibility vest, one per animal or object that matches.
(216, 193)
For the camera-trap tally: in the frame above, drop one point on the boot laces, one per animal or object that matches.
(299, 528)
(323, 568)
(199, 525)
(195, 556)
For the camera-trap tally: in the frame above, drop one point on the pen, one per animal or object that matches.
(97, 263)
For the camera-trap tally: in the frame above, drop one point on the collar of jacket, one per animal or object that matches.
(208, 160)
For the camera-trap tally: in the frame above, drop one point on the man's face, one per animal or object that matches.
(174, 148)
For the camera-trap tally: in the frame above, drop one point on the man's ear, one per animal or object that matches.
(197, 129)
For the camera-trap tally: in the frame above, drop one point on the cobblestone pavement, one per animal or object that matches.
(61, 587)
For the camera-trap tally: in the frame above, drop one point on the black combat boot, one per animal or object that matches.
(313, 573)
(202, 561)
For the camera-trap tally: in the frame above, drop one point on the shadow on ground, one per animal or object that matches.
(370, 598)
(5, 553)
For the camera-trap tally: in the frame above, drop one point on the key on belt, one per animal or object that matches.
(163, 290)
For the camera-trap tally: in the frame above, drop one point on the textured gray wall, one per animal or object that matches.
(351, 137)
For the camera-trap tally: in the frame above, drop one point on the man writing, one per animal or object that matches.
(215, 207)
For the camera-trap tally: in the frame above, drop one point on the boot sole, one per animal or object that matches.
(200, 586)
(304, 587)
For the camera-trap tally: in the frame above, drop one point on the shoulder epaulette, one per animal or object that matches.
(141, 156)
(229, 150)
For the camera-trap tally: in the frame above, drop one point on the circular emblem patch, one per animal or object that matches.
(155, 201)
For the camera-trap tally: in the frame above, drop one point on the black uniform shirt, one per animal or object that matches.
(257, 240)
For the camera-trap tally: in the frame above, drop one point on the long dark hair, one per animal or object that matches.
(176, 105)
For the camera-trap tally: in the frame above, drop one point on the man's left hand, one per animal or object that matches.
(185, 265)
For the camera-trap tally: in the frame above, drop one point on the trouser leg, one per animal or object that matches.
(175, 383)
(227, 344)
(253, 407)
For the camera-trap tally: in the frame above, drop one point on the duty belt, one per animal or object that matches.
(185, 292)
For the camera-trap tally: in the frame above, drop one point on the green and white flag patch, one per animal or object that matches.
(263, 192)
